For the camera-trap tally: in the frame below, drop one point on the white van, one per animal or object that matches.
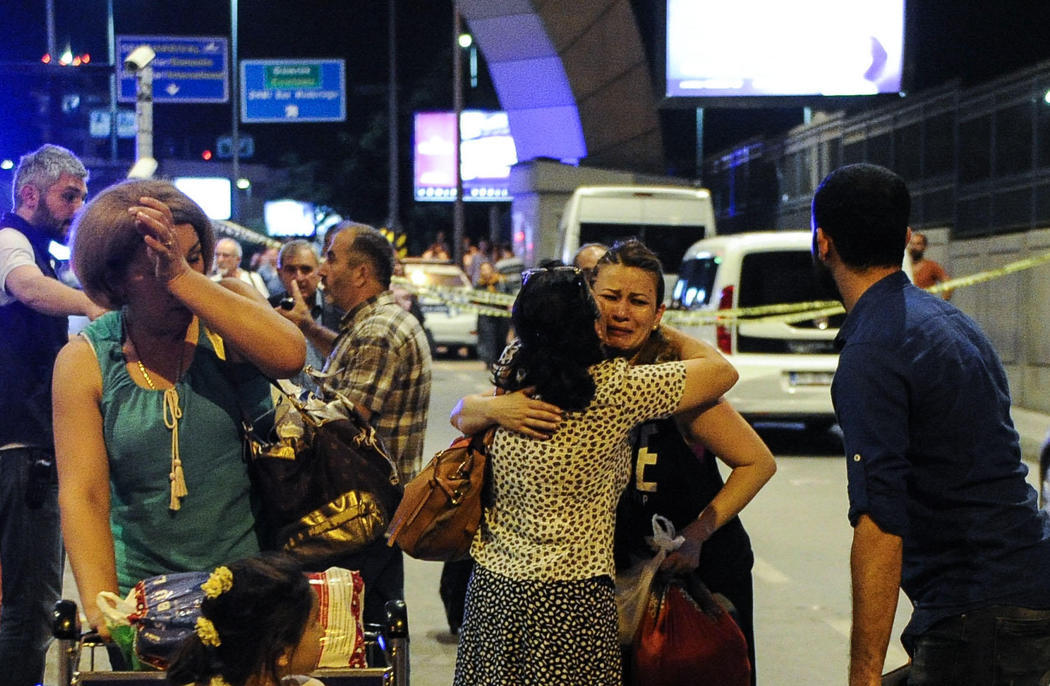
(785, 368)
(668, 219)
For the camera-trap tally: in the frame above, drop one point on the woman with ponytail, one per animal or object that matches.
(540, 607)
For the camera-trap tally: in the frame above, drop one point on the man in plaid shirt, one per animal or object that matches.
(381, 362)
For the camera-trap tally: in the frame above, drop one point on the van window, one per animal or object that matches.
(696, 280)
(781, 276)
(668, 242)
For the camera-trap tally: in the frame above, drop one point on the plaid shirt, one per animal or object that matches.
(381, 361)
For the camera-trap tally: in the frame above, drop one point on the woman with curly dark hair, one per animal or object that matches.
(540, 606)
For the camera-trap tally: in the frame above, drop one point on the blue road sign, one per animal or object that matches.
(293, 90)
(186, 69)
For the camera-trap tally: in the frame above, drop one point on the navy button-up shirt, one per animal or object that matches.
(932, 455)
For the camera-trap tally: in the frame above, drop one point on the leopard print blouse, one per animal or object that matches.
(554, 502)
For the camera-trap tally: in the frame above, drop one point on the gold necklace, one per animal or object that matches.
(145, 375)
(172, 415)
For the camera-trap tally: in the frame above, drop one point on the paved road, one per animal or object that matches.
(800, 535)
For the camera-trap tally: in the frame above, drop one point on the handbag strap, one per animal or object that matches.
(482, 440)
(247, 425)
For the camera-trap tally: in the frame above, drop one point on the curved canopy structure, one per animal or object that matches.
(573, 78)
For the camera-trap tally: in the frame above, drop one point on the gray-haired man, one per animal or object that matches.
(49, 187)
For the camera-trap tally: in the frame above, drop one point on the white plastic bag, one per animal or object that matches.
(632, 586)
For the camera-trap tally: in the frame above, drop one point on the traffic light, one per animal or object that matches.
(67, 59)
(206, 155)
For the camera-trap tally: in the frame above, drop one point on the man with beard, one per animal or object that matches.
(938, 499)
(49, 187)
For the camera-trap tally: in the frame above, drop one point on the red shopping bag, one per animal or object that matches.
(687, 638)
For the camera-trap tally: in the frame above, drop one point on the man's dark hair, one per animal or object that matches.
(371, 245)
(864, 209)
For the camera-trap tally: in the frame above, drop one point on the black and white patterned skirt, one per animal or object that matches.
(538, 632)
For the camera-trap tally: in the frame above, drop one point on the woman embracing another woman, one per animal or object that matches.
(540, 605)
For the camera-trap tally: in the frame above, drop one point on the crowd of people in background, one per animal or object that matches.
(125, 437)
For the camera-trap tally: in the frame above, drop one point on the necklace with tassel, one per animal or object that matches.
(172, 415)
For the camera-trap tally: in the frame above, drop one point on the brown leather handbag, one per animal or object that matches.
(441, 507)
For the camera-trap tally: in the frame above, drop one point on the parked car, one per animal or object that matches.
(450, 326)
(785, 368)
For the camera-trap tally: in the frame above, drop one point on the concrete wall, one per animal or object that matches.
(1014, 310)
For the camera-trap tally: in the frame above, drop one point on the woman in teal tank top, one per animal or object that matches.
(149, 399)
(216, 516)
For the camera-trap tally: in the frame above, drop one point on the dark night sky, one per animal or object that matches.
(349, 29)
(973, 40)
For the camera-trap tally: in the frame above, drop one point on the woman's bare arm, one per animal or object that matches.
(516, 411)
(723, 432)
(83, 475)
(708, 374)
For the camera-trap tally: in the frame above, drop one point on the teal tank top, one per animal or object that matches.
(216, 522)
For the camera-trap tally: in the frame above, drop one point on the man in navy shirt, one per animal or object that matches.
(938, 498)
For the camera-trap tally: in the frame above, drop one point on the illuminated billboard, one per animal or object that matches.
(772, 48)
(289, 218)
(487, 155)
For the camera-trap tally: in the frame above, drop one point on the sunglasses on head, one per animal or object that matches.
(554, 270)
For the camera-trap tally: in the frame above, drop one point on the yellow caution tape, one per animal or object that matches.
(480, 301)
(498, 304)
(951, 284)
(981, 277)
(789, 312)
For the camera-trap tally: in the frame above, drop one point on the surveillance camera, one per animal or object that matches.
(139, 58)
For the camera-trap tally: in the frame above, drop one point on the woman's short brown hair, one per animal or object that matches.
(105, 240)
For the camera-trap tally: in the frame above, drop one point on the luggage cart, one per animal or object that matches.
(386, 647)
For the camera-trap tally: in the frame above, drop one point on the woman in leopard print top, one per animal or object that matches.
(540, 606)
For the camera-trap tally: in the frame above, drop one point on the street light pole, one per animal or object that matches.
(140, 62)
(111, 47)
(52, 46)
(144, 113)
(457, 103)
(393, 214)
(235, 106)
